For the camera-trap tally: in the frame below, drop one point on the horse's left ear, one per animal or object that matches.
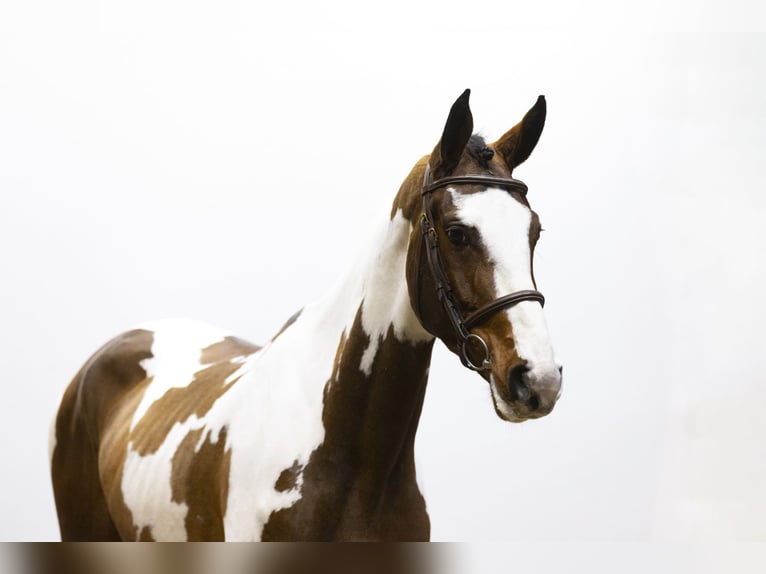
(457, 132)
(518, 142)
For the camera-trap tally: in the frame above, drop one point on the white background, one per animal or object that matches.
(221, 161)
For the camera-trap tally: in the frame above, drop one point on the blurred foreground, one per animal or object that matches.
(308, 558)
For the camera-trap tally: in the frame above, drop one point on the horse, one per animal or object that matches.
(180, 431)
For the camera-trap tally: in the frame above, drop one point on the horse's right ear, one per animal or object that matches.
(457, 132)
(518, 142)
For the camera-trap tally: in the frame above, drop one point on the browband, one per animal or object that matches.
(509, 183)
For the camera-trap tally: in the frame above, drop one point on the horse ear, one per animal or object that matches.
(457, 132)
(518, 142)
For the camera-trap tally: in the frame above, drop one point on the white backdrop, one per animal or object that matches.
(215, 160)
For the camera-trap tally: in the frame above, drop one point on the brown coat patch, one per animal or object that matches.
(226, 350)
(359, 484)
(288, 478)
(112, 453)
(200, 478)
(146, 535)
(178, 404)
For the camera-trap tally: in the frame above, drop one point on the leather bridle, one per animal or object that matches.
(460, 324)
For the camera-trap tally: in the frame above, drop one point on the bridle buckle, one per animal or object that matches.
(485, 363)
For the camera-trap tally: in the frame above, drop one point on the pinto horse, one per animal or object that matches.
(180, 431)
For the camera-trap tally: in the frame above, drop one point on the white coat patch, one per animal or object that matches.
(176, 349)
(386, 300)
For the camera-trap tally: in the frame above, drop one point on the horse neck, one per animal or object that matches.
(373, 400)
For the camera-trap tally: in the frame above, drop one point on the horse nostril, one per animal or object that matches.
(517, 386)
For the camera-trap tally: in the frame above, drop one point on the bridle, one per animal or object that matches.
(463, 325)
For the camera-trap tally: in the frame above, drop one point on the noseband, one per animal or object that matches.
(463, 325)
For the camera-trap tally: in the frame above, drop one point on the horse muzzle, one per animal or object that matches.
(526, 392)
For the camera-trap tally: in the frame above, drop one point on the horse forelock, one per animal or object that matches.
(478, 149)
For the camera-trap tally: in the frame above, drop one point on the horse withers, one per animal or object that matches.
(180, 431)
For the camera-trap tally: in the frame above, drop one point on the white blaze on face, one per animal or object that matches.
(504, 223)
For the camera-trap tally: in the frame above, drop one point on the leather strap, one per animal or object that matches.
(478, 316)
(508, 183)
(441, 281)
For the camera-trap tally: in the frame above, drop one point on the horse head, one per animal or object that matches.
(469, 262)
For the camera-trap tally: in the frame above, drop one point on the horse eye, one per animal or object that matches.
(457, 236)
